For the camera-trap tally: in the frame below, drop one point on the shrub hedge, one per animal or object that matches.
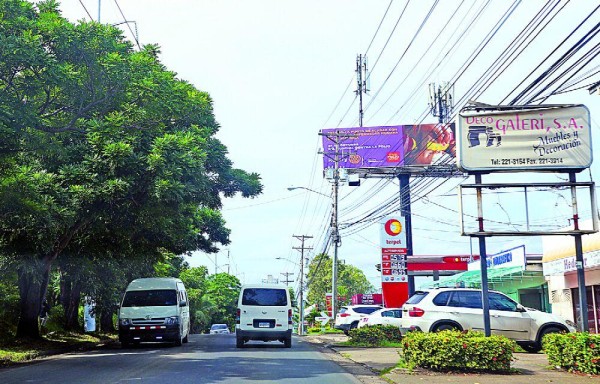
(375, 335)
(575, 352)
(454, 350)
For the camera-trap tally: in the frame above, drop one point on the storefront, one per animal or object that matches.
(511, 272)
(560, 270)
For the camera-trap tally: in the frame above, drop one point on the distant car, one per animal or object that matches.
(385, 316)
(438, 309)
(219, 328)
(350, 315)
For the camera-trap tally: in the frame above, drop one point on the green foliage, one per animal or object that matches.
(376, 335)
(56, 319)
(454, 350)
(367, 336)
(575, 352)
(9, 306)
(351, 281)
(391, 332)
(105, 153)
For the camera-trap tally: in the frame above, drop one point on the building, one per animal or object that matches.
(560, 270)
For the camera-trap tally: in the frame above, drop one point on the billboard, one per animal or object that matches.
(388, 146)
(547, 138)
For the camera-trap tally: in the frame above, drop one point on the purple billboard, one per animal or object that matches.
(388, 146)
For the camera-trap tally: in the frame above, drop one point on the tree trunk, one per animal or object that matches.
(106, 321)
(33, 283)
(70, 297)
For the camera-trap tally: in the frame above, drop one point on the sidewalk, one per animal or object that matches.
(533, 368)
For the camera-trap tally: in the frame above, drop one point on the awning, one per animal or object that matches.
(472, 279)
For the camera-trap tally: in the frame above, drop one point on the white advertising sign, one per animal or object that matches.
(545, 138)
(569, 264)
(509, 258)
(393, 233)
(393, 250)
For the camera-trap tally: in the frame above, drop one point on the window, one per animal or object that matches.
(387, 314)
(442, 299)
(271, 297)
(154, 298)
(366, 310)
(416, 297)
(502, 303)
(465, 299)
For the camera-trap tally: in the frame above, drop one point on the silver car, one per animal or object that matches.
(219, 328)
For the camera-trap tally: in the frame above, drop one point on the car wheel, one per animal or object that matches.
(545, 332)
(239, 342)
(446, 327)
(288, 342)
(185, 339)
(354, 325)
(178, 340)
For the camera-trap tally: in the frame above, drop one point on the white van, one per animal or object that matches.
(264, 313)
(154, 309)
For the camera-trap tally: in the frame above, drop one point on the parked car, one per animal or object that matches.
(460, 308)
(385, 316)
(350, 315)
(219, 328)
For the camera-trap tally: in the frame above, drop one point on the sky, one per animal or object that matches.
(279, 71)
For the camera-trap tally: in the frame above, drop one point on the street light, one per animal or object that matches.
(301, 325)
(308, 189)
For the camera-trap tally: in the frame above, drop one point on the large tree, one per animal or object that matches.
(103, 151)
(351, 280)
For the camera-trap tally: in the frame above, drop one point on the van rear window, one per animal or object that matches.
(152, 298)
(271, 297)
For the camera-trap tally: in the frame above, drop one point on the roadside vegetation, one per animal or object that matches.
(375, 336)
(110, 170)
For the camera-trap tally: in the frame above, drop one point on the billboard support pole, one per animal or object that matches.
(405, 211)
(483, 262)
(583, 306)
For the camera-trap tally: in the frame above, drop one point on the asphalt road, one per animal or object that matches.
(205, 359)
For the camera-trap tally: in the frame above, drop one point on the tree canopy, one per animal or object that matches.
(351, 281)
(104, 151)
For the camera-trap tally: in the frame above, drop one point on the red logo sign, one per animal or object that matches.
(393, 157)
(393, 227)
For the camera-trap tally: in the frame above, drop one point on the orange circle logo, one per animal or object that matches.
(393, 227)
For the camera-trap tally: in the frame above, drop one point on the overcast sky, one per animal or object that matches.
(276, 70)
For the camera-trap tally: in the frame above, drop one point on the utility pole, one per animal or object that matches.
(361, 80)
(441, 101)
(441, 104)
(287, 277)
(301, 249)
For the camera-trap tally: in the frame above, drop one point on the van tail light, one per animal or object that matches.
(237, 316)
(289, 316)
(416, 312)
(344, 315)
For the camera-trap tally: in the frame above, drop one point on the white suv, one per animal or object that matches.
(349, 316)
(459, 308)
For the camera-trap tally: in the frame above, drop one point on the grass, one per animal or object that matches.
(19, 351)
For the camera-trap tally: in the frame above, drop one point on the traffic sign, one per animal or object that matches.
(323, 319)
